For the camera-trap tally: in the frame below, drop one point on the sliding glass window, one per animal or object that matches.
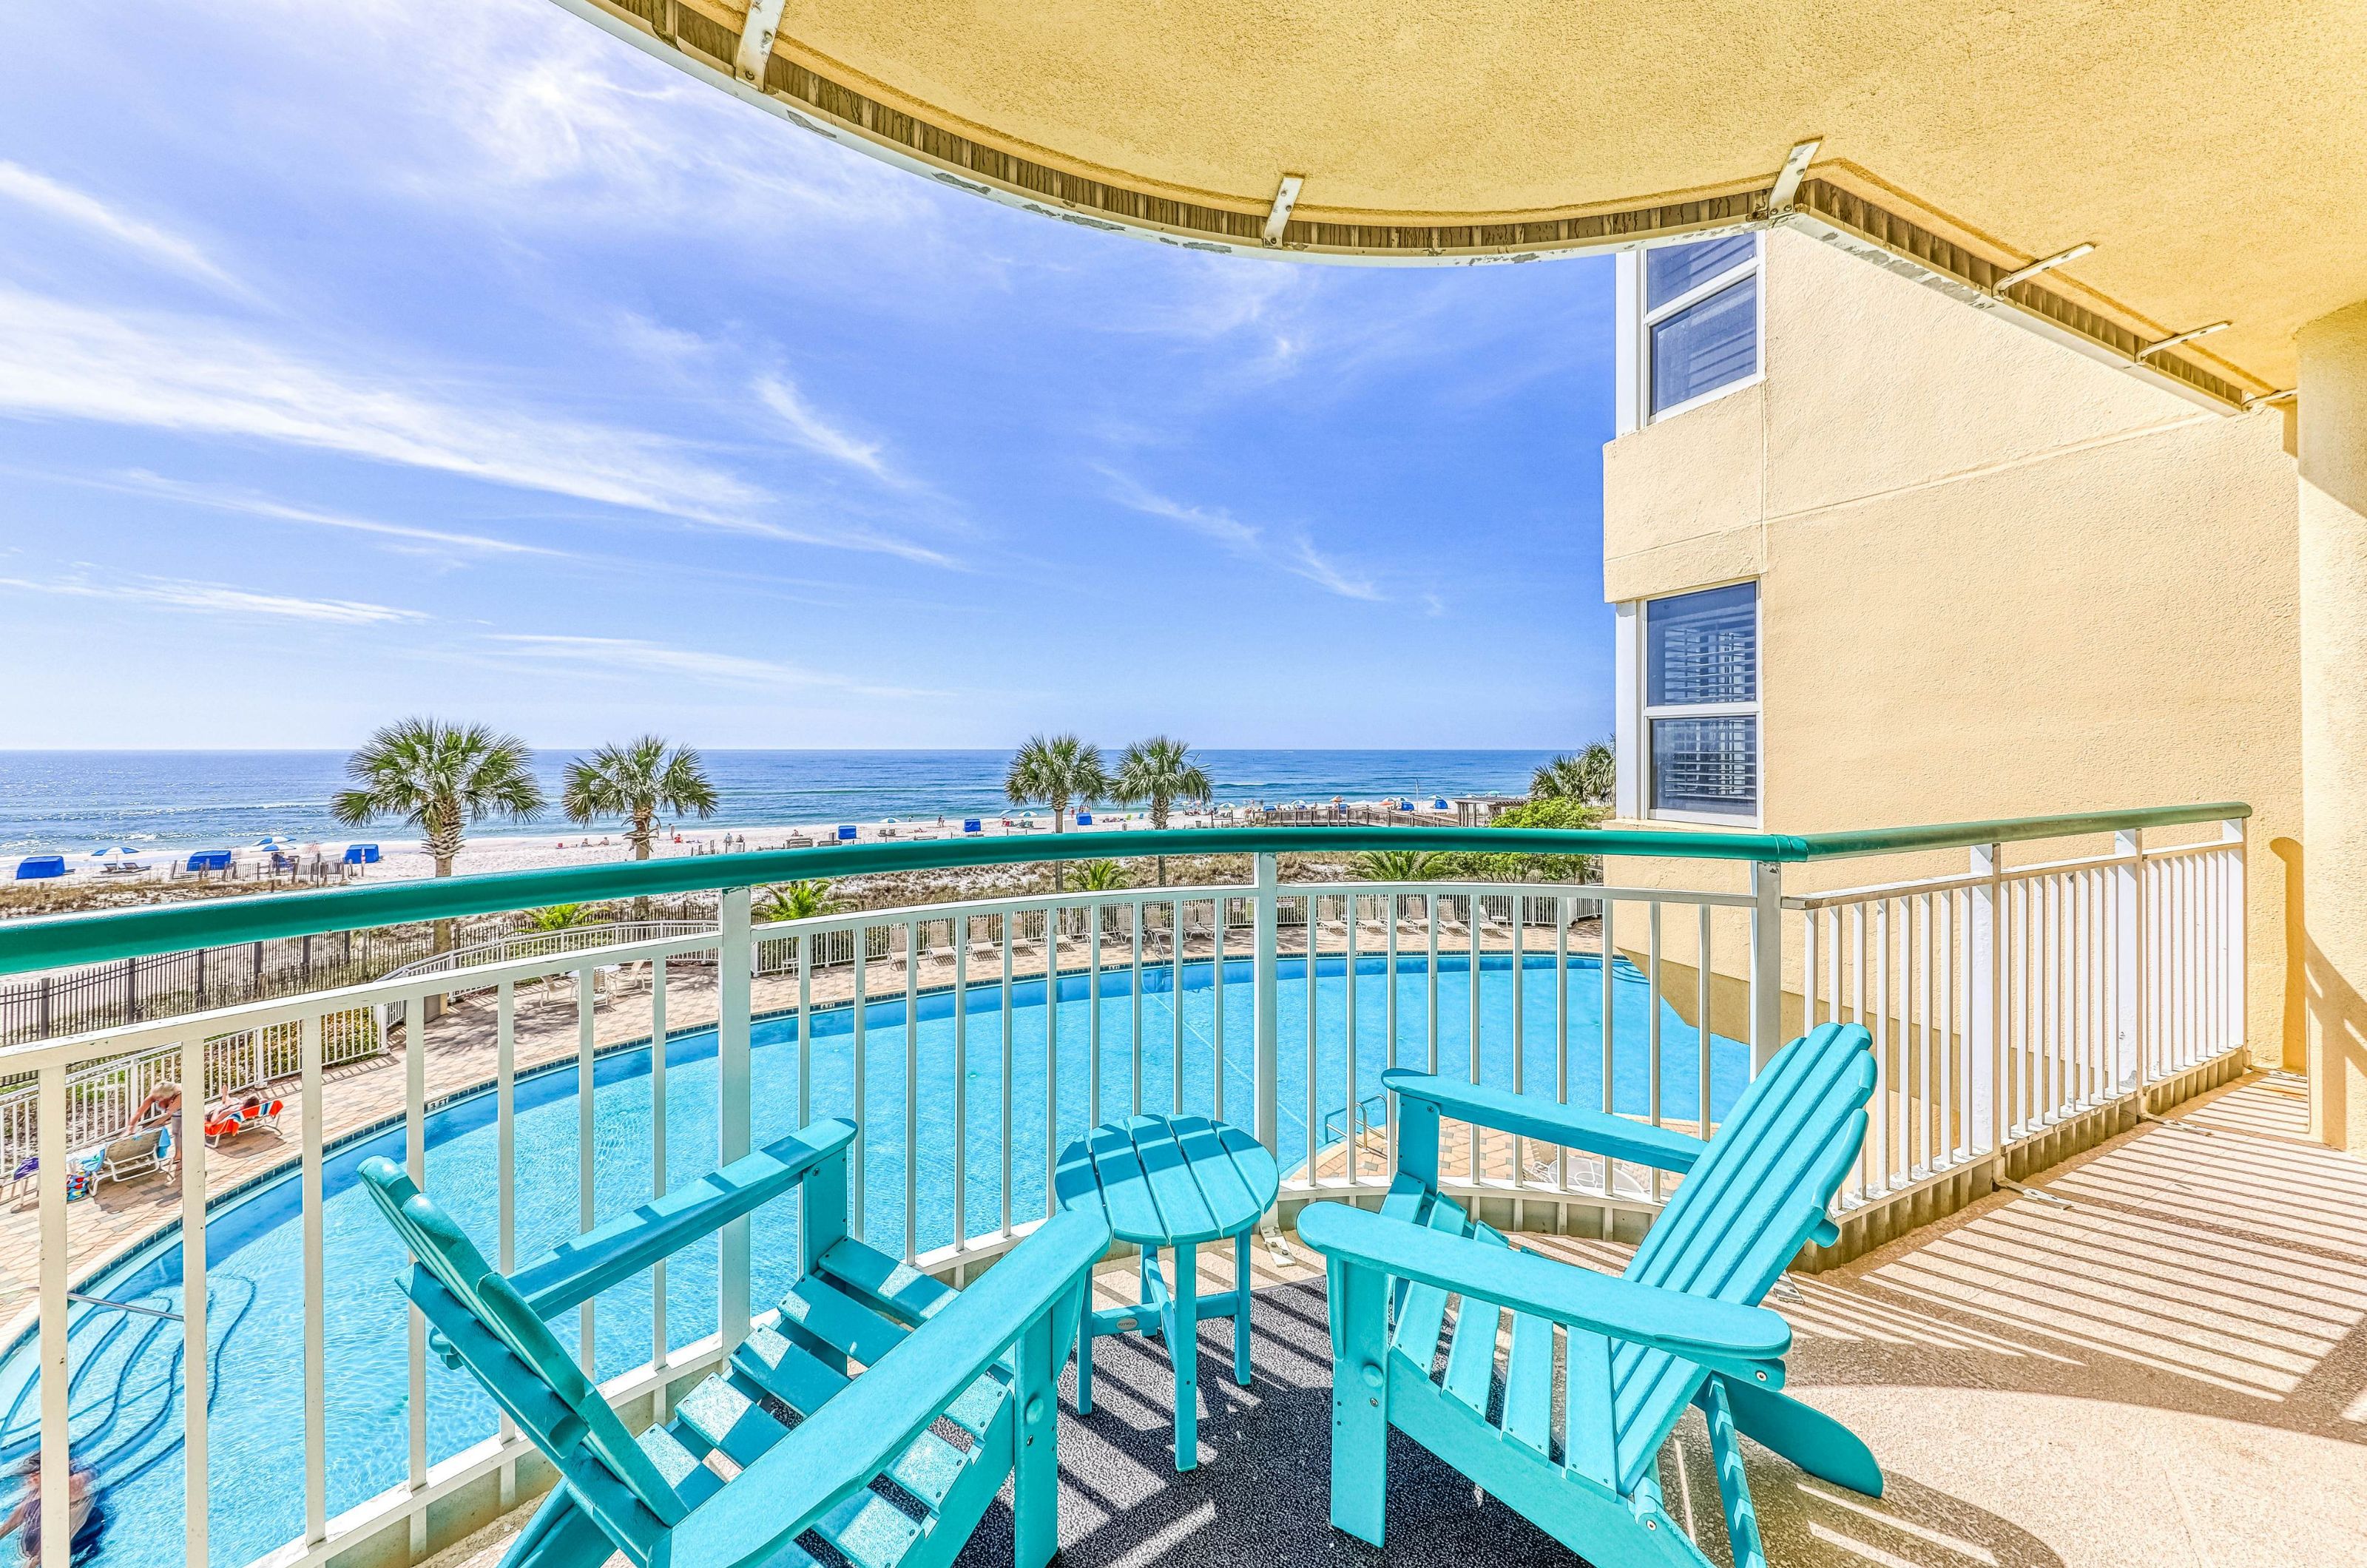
(1701, 701)
(1701, 319)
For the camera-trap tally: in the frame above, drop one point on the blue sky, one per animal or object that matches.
(360, 357)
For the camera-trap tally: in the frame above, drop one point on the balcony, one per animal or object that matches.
(2143, 1284)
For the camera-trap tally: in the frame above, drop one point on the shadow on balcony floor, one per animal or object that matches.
(2171, 1370)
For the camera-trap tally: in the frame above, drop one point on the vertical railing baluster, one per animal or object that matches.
(1134, 996)
(1093, 1007)
(961, 1081)
(1703, 951)
(1175, 992)
(505, 1174)
(1563, 913)
(1051, 1052)
(735, 978)
(1652, 1019)
(56, 1457)
(913, 1089)
(1348, 1106)
(1393, 908)
(805, 940)
(1267, 1043)
(659, 1349)
(1520, 1030)
(316, 1324)
(1003, 926)
(415, 1159)
(1216, 1004)
(1608, 924)
(586, 1178)
(1314, 917)
(1430, 923)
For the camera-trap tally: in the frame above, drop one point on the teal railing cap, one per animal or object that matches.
(57, 942)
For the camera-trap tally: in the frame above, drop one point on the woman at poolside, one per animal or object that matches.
(86, 1512)
(163, 1107)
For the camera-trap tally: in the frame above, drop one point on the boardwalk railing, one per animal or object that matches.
(970, 1040)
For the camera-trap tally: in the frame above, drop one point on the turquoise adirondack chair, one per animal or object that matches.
(985, 1360)
(1682, 1325)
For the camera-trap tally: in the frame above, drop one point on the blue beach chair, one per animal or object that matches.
(985, 1361)
(1682, 1325)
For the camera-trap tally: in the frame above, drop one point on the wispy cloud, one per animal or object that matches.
(252, 504)
(814, 432)
(1295, 555)
(180, 373)
(30, 188)
(637, 655)
(219, 599)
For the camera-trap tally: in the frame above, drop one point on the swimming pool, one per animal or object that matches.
(124, 1399)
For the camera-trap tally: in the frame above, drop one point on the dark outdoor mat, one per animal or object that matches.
(1262, 1493)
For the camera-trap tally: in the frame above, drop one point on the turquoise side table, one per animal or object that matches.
(1173, 1183)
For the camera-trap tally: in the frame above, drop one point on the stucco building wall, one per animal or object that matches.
(1997, 579)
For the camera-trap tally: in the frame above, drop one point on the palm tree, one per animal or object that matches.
(1099, 877)
(1056, 772)
(636, 781)
(1403, 866)
(439, 778)
(557, 918)
(800, 900)
(1590, 777)
(1161, 771)
(803, 900)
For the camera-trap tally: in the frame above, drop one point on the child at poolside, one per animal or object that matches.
(86, 1512)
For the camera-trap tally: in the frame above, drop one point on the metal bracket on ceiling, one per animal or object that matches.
(2043, 263)
(756, 39)
(1285, 196)
(1787, 181)
(2149, 350)
(2268, 399)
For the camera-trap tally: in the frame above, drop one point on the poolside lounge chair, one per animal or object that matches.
(127, 1157)
(1682, 1325)
(986, 1361)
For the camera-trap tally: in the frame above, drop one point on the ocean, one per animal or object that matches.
(73, 802)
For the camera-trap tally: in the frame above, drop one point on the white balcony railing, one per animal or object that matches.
(969, 1041)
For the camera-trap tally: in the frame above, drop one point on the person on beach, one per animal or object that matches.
(86, 1512)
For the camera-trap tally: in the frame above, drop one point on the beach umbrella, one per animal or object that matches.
(117, 852)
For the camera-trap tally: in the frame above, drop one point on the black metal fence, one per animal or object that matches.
(103, 996)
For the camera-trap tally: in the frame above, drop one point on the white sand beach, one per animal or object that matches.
(402, 859)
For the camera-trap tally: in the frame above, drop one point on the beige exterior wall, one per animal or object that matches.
(1997, 579)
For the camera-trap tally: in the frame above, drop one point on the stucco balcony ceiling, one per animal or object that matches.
(2213, 153)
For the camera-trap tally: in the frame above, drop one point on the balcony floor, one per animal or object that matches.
(2172, 1370)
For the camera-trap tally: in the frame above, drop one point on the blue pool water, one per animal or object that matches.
(125, 1392)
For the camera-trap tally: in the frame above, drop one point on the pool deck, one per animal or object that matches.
(2168, 1368)
(460, 1049)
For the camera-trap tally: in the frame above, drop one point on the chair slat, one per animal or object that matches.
(1471, 1357)
(1528, 1384)
(787, 1371)
(839, 1321)
(887, 1285)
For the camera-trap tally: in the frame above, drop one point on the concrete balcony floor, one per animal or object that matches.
(2168, 1369)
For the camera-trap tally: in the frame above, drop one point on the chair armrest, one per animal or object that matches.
(610, 1254)
(857, 1433)
(1530, 1116)
(1741, 1341)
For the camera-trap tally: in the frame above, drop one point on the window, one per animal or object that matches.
(1700, 320)
(1701, 702)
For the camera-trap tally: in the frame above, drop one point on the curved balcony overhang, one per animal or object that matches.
(2210, 161)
